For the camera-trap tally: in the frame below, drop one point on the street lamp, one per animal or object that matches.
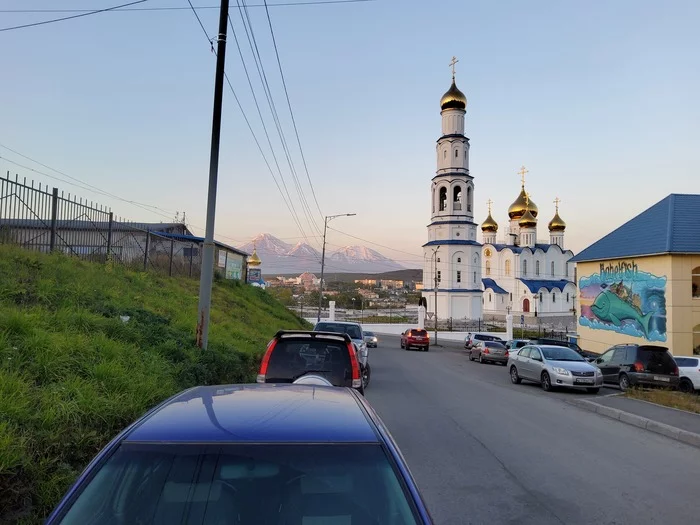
(323, 258)
(435, 289)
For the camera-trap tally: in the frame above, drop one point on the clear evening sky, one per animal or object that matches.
(599, 100)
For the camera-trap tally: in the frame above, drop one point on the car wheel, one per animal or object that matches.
(593, 390)
(471, 357)
(481, 359)
(686, 386)
(514, 377)
(427, 348)
(401, 344)
(546, 382)
(624, 382)
(366, 374)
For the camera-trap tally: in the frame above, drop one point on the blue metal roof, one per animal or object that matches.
(452, 241)
(194, 238)
(258, 413)
(519, 249)
(672, 225)
(490, 283)
(537, 284)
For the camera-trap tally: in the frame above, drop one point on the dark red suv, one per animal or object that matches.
(415, 338)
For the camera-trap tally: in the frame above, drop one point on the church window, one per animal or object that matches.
(433, 200)
(524, 267)
(487, 252)
(541, 296)
(459, 259)
(552, 268)
(444, 154)
(695, 288)
(465, 153)
(439, 276)
(537, 267)
(508, 267)
(456, 153)
(459, 276)
(458, 194)
(554, 297)
(566, 269)
(475, 277)
(438, 259)
(469, 198)
(489, 297)
(443, 199)
(511, 296)
(488, 267)
(567, 298)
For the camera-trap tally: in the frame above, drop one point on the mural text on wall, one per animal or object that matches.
(624, 299)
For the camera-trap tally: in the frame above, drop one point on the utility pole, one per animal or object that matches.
(207, 274)
(323, 259)
(435, 289)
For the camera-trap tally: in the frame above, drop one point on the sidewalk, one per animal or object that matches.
(676, 424)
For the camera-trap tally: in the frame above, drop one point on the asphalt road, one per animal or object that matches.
(483, 450)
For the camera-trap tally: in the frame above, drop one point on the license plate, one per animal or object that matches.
(584, 381)
(664, 379)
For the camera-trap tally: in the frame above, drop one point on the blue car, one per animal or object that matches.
(264, 454)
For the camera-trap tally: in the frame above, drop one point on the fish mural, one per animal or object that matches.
(626, 300)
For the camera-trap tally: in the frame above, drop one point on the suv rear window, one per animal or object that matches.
(352, 330)
(292, 358)
(419, 333)
(687, 361)
(656, 359)
(494, 344)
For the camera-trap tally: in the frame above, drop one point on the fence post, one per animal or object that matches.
(109, 235)
(54, 215)
(145, 251)
(191, 251)
(172, 249)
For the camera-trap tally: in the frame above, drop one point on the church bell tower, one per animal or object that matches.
(452, 255)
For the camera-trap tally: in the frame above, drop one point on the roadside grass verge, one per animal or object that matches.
(85, 349)
(667, 398)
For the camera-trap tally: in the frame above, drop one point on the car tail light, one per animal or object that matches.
(507, 353)
(356, 379)
(675, 372)
(638, 367)
(266, 360)
(485, 351)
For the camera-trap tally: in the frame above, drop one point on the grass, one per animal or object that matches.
(667, 398)
(87, 348)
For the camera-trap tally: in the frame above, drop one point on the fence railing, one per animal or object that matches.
(40, 218)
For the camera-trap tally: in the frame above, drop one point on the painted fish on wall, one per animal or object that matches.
(609, 307)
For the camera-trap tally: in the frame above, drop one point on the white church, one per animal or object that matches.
(515, 274)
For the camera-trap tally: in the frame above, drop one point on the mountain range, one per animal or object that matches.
(279, 257)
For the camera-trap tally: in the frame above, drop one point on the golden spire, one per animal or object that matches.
(254, 259)
(557, 224)
(489, 225)
(454, 98)
(523, 202)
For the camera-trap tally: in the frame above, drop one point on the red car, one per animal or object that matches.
(415, 338)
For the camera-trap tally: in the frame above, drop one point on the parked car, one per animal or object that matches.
(514, 344)
(471, 339)
(354, 330)
(631, 365)
(554, 366)
(371, 339)
(489, 352)
(555, 342)
(249, 454)
(415, 338)
(689, 373)
(293, 354)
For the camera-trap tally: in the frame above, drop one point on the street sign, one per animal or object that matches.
(522, 319)
(429, 314)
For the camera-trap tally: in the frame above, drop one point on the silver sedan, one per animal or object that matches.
(554, 366)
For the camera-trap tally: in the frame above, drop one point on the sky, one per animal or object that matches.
(599, 100)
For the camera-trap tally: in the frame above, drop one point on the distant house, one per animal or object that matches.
(309, 281)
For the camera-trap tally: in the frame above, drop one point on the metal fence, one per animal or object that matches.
(40, 218)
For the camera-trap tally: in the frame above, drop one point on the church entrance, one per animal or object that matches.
(526, 305)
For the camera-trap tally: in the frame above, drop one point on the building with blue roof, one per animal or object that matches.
(641, 282)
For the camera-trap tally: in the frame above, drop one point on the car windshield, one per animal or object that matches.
(243, 484)
(351, 329)
(292, 358)
(369, 334)
(560, 353)
(419, 333)
(687, 361)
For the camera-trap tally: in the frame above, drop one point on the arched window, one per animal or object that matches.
(552, 268)
(444, 154)
(696, 283)
(456, 153)
(443, 199)
(433, 200)
(469, 198)
(488, 267)
(537, 267)
(489, 296)
(474, 277)
(459, 259)
(566, 269)
(524, 266)
(554, 297)
(541, 296)
(526, 305)
(457, 198)
(507, 267)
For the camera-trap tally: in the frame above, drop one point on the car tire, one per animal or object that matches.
(624, 382)
(546, 382)
(401, 344)
(366, 375)
(471, 357)
(514, 376)
(686, 386)
(427, 348)
(505, 364)
(480, 359)
(593, 390)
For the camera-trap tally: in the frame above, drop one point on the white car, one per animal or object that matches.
(689, 372)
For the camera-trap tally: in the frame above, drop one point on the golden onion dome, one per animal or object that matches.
(254, 260)
(528, 220)
(521, 205)
(557, 224)
(454, 98)
(489, 225)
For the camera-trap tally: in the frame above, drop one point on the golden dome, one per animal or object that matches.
(254, 260)
(557, 224)
(489, 225)
(528, 220)
(521, 205)
(454, 98)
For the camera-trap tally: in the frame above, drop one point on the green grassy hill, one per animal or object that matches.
(74, 370)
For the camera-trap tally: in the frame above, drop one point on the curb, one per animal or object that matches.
(678, 434)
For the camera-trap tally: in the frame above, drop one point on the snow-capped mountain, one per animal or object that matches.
(280, 257)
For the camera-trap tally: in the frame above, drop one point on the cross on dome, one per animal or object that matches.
(452, 64)
(489, 203)
(522, 172)
(556, 203)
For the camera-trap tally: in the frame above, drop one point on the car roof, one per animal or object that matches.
(258, 413)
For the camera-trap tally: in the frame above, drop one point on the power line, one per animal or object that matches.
(375, 243)
(177, 8)
(71, 17)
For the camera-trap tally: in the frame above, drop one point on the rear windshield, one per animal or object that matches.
(420, 333)
(244, 484)
(656, 359)
(351, 329)
(687, 361)
(292, 358)
(494, 344)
